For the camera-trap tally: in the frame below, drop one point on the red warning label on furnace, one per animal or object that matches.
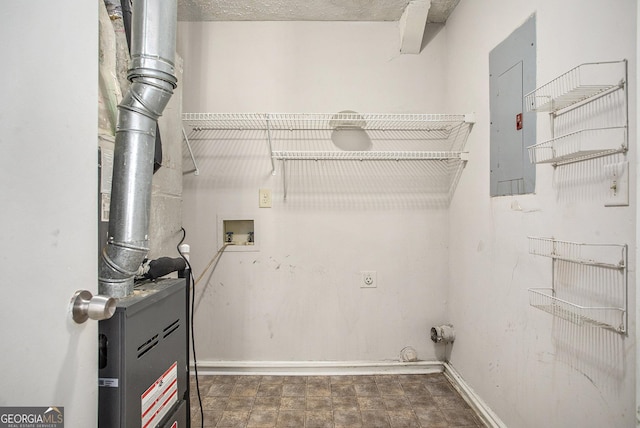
(158, 399)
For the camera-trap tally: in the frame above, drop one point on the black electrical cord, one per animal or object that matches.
(193, 342)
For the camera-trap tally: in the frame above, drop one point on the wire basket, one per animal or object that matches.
(610, 318)
(578, 84)
(583, 144)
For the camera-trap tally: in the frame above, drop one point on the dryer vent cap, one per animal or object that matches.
(443, 333)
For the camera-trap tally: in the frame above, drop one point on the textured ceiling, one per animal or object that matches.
(305, 10)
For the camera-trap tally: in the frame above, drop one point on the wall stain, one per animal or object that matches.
(270, 328)
(55, 234)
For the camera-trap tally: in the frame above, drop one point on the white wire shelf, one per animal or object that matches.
(579, 84)
(318, 121)
(310, 137)
(613, 256)
(611, 318)
(367, 155)
(580, 145)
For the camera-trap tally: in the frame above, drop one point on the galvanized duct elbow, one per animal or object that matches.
(153, 40)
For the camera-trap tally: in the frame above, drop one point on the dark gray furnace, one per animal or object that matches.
(143, 359)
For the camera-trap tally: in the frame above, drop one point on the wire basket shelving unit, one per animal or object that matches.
(595, 290)
(574, 90)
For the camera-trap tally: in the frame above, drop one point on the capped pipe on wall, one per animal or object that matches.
(152, 77)
(443, 333)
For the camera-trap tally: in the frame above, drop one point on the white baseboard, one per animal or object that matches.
(477, 404)
(329, 368)
(312, 368)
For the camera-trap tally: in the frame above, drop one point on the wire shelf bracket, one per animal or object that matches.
(195, 169)
(273, 165)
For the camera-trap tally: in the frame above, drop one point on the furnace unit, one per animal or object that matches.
(143, 359)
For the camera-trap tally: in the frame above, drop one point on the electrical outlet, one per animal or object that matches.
(264, 198)
(368, 279)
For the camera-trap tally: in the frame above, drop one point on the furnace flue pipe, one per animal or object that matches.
(152, 77)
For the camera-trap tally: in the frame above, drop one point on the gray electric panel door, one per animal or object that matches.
(512, 74)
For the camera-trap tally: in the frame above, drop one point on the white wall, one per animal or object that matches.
(298, 298)
(532, 369)
(48, 176)
(305, 67)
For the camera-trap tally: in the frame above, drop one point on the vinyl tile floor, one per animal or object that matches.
(377, 401)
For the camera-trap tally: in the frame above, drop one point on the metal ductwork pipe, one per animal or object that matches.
(152, 77)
